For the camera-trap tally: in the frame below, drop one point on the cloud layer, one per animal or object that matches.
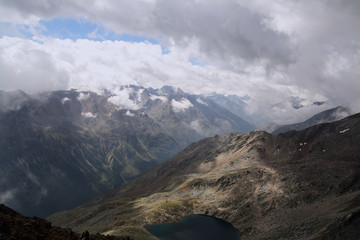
(268, 50)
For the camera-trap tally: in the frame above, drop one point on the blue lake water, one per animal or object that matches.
(195, 227)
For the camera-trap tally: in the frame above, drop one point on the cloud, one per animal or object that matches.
(201, 101)
(269, 50)
(8, 196)
(226, 32)
(161, 98)
(25, 65)
(197, 126)
(222, 29)
(94, 65)
(128, 113)
(122, 100)
(88, 114)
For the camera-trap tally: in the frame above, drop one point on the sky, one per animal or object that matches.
(270, 51)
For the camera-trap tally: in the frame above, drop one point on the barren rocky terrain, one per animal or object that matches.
(295, 185)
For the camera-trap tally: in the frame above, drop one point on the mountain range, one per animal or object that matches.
(295, 185)
(60, 149)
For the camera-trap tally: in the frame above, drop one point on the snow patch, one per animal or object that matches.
(162, 98)
(139, 93)
(65, 99)
(128, 113)
(201, 101)
(181, 105)
(88, 114)
(345, 130)
(83, 96)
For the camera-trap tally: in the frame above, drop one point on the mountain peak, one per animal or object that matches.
(169, 90)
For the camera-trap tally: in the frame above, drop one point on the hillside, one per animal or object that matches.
(60, 149)
(15, 226)
(295, 185)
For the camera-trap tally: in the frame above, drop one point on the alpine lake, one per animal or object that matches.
(195, 227)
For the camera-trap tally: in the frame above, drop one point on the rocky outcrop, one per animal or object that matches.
(15, 226)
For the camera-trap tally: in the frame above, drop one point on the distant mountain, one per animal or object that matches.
(233, 103)
(60, 149)
(295, 185)
(269, 127)
(188, 117)
(327, 116)
(236, 105)
(12, 100)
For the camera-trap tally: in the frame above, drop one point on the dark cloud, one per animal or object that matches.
(225, 31)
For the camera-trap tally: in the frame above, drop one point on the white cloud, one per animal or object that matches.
(201, 101)
(27, 65)
(97, 65)
(128, 113)
(196, 125)
(122, 99)
(88, 114)
(83, 96)
(182, 105)
(65, 99)
(161, 98)
(7, 196)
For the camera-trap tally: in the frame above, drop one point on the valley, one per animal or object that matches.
(61, 149)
